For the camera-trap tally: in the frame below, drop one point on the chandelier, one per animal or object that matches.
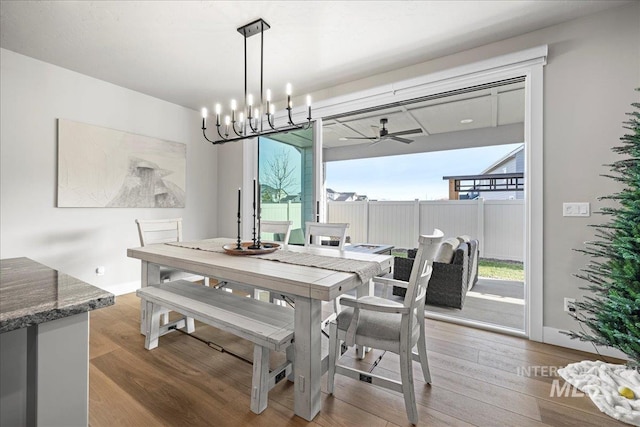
(252, 119)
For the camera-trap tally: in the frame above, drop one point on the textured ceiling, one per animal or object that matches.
(189, 52)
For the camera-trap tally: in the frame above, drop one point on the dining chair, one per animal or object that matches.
(279, 229)
(389, 326)
(154, 231)
(316, 230)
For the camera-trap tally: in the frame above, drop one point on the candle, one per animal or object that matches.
(254, 213)
(238, 246)
(259, 208)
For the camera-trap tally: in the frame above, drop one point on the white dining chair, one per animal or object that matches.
(315, 231)
(277, 229)
(154, 231)
(388, 325)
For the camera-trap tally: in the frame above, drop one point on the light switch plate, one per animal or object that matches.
(576, 209)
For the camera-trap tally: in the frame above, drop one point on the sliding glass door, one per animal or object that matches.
(286, 171)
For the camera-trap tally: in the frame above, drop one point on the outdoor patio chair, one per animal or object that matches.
(450, 281)
(390, 326)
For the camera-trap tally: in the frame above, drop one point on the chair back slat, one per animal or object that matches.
(316, 230)
(422, 269)
(159, 230)
(277, 227)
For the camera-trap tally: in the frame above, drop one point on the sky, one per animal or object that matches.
(410, 176)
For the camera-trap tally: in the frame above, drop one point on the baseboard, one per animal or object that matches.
(122, 288)
(554, 337)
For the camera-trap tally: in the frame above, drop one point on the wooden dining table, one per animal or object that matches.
(308, 286)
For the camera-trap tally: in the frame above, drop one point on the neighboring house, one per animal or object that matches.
(292, 198)
(510, 163)
(336, 196)
(503, 180)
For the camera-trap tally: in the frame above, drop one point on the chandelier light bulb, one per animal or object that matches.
(308, 100)
(268, 95)
(218, 109)
(256, 113)
(289, 89)
(234, 105)
(272, 109)
(241, 117)
(204, 113)
(250, 100)
(227, 120)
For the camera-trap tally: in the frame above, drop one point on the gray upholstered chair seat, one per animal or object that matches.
(388, 325)
(379, 330)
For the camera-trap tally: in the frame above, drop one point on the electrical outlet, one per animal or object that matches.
(570, 305)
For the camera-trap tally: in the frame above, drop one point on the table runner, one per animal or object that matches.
(364, 269)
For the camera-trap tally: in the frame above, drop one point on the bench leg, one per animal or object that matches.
(291, 355)
(191, 324)
(153, 313)
(260, 380)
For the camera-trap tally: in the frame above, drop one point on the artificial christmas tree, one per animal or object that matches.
(612, 313)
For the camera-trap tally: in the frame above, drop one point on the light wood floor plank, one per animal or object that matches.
(477, 381)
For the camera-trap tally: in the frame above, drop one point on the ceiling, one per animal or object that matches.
(189, 52)
(490, 107)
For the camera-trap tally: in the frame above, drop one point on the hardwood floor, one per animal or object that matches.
(477, 378)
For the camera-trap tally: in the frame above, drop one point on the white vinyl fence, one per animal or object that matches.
(497, 224)
(283, 212)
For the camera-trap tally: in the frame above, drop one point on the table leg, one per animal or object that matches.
(150, 276)
(308, 357)
(364, 290)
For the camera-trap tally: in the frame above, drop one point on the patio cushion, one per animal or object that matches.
(463, 239)
(448, 284)
(446, 251)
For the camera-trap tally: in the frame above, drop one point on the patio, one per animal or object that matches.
(493, 301)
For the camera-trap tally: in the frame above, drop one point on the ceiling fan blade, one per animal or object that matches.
(349, 138)
(396, 138)
(406, 132)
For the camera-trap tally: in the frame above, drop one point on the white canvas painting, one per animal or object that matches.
(100, 167)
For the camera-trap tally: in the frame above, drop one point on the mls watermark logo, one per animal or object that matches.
(559, 388)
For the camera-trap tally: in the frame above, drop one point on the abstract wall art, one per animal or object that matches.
(100, 167)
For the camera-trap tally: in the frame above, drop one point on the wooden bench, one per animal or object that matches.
(268, 326)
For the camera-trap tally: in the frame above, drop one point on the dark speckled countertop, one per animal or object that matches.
(32, 293)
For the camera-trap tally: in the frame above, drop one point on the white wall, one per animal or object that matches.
(34, 95)
(593, 67)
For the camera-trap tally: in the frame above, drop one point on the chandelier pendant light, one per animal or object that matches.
(249, 121)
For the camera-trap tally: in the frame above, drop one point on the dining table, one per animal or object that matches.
(308, 285)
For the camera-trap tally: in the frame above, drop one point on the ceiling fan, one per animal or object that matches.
(382, 133)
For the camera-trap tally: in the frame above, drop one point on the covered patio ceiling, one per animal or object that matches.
(473, 117)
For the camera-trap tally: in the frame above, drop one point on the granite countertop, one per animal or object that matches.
(32, 293)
